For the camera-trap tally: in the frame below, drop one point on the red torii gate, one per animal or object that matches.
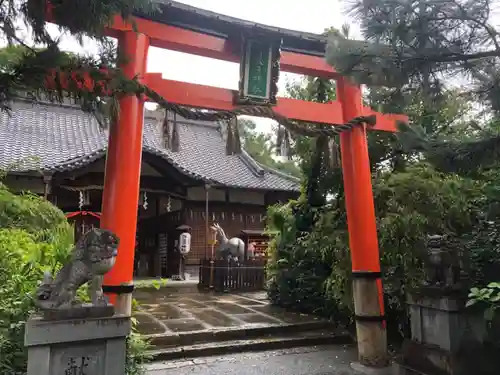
(123, 162)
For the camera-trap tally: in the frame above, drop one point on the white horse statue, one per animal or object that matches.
(228, 248)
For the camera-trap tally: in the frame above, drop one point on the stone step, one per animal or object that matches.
(241, 333)
(400, 369)
(171, 287)
(269, 342)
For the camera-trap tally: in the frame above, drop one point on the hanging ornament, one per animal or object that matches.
(333, 153)
(165, 131)
(86, 198)
(83, 199)
(234, 217)
(222, 216)
(283, 142)
(251, 217)
(145, 203)
(279, 139)
(80, 200)
(175, 135)
(229, 138)
(213, 216)
(236, 139)
(287, 143)
(169, 204)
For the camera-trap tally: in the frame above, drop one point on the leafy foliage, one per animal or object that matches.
(407, 41)
(425, 49)
(35, 237)
(300, 263)
(26, 65)
(262, 148)
(311, 271)
(415, 195)
(17, 284)
(489, 297)
(137, 352)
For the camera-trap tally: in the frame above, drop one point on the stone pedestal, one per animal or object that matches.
(90, 346)
(440, 326)
(443, 322)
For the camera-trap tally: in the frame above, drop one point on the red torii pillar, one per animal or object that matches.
(122, 175)
(363, 242)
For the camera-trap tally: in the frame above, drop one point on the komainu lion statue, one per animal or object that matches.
(93, 256)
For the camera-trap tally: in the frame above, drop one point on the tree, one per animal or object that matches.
(416, 46)
(263, 149)
(307, 88)
(310, 263)
(415, 41)
(35, 237)
(29, 63)
(10, 56)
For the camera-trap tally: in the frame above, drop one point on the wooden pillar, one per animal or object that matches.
(122, 175)
(363, 241)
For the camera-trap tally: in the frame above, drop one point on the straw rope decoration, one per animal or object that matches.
(261, 111)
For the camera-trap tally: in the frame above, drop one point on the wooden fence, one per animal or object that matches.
(226, 276)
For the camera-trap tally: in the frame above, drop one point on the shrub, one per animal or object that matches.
(29, 212)
(35, 237)
(137, 352)
(311, 271)
(18, 280)
(301, 264)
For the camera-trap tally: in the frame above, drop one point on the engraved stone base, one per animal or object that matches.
(429, 359)
(79, 312)
(91, 346)
(446, 338)
(443, 322)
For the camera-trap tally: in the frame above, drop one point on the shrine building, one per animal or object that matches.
(59, 152)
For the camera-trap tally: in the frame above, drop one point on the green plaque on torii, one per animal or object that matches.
(259, 71)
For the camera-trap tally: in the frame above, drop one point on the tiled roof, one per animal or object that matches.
(55, 138)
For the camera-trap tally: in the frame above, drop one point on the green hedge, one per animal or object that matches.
(35, 237)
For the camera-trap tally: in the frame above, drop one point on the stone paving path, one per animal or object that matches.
(162, 312)
(325, 360)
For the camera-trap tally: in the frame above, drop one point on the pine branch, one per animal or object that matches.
(27, 74)
(410, 40)
(462, 157)
(465, 157)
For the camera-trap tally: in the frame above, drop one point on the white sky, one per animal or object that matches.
(311, 16)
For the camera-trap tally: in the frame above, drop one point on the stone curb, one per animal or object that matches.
(231, 347)
(170, 287)
(190, 338)
(400, 369)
